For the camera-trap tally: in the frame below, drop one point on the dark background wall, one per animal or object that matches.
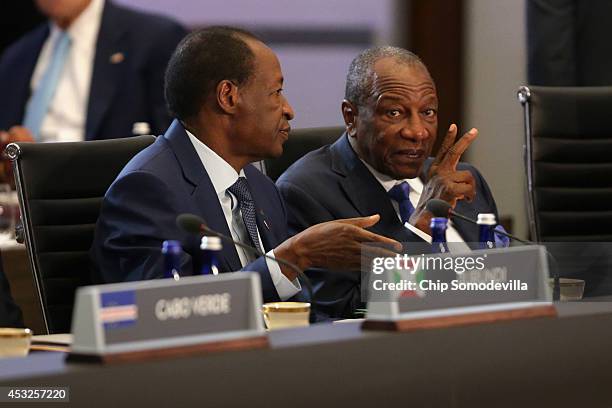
(436, 35)
(569, 42)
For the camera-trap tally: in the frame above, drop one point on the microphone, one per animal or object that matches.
(193, 224)
(440, 208)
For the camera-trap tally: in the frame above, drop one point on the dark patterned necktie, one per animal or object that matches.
(401, 194)
(247, 207)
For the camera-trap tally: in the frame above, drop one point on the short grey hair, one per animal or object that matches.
(361, 71)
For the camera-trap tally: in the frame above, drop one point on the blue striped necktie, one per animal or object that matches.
(401, 193)
(42, 96)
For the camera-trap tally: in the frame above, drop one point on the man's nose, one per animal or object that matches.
(414, 129)
(288, 110)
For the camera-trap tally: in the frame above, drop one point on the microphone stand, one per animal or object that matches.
(504, 233)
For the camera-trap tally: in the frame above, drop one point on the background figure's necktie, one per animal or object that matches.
(401, 194)
(241, 190)
(42, 96)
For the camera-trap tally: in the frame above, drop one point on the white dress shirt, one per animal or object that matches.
(416, 188)
(223, 176)
(67, 114)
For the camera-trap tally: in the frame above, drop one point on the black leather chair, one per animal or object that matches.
(300, 142)
(568, 147)
(568, 152)
(60, 188)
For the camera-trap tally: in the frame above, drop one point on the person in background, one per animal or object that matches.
(91, 72)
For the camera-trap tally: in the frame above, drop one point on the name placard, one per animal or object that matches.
(488, 285)
(129, 319)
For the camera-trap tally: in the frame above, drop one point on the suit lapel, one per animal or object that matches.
(204, 195)
(109, 64)
(365, 192)
(468, 231)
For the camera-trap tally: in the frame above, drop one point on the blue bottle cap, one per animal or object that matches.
(437, 222)
(171, 247)
(211, 243)
(486, 219)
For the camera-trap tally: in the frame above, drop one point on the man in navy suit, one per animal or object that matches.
(111, 76)
(225, 88)
(381, 165)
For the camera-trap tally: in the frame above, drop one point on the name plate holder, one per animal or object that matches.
(513, 284)
(159, 318)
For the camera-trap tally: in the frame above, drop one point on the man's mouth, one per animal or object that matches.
(285, 132)
(410, 154)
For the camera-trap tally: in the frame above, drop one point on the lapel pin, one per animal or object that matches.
(263, 216)
(117, 58)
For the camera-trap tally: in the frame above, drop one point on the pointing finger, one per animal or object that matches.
(447, 143)
(454, 153)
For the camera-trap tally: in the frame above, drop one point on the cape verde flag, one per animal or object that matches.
(118, 309)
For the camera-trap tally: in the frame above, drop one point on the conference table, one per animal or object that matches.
(563, 361)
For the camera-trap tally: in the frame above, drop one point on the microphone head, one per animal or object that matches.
(439, 208)
(190, 223)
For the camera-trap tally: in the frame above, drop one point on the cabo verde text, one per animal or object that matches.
(185, 307)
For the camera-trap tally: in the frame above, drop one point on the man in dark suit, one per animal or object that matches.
(381, 165)
(225, 88)
(125, 59)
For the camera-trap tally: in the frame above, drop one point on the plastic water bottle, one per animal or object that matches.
(438, 235)
(487, 223)
(171, 251)
(211, 248)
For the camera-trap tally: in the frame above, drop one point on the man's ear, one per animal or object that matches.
(349, 113)
(227, 96)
